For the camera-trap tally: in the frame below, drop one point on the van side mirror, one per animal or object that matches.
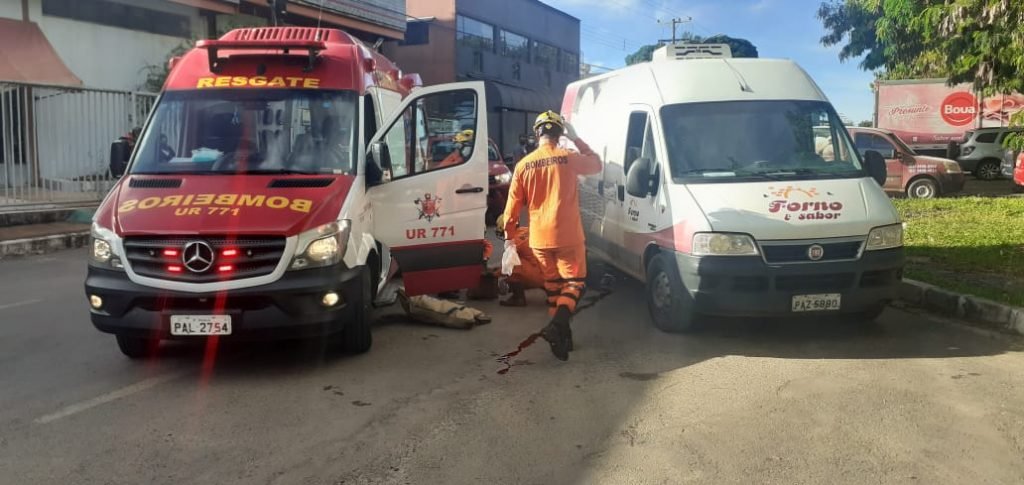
(875, 165)
(638, 180)
(120, 152)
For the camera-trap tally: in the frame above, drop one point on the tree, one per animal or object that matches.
(866, 124)
(740, 47)
(642, 54)
(972, 41)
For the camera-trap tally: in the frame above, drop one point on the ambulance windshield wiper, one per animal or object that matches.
(784, 172)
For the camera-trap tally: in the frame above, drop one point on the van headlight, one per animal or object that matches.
(503, 178)
(322, 246)
(723, 244)
(952, 167)
(102, 248)
(885, 237)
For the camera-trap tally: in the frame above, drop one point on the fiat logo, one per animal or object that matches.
(197, 256)
(815, 252)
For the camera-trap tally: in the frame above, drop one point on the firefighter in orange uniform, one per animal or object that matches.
(546, 183)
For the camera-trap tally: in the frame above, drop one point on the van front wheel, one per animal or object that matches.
(670, 304)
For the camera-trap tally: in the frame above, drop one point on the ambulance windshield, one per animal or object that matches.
(251, 132)
(756, 140)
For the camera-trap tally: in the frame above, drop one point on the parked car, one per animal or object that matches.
(1013, 168)
(982, 151)
(917, 176)
(499, 178)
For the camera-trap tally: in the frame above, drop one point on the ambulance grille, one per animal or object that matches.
(154, 257)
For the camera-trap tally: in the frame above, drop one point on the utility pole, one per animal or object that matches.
(676, 21)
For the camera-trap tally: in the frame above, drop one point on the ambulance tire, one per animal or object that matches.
(137, 348)
(356, 337)
(670, 304)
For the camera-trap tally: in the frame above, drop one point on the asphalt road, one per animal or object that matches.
(912, 400)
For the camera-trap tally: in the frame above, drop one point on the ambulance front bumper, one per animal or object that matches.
(290, 307)
(746, 286)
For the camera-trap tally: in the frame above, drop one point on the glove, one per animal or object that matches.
(509, 259)
(570, 132)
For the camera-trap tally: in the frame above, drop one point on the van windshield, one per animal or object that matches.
(757, 140)
(255, 131)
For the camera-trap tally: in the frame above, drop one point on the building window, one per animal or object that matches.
(570, 63)
(475, 34)
(104, 12)
(545, 55)
(514, 45)
(416, 33)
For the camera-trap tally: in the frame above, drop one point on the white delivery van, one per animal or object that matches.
(731, 187)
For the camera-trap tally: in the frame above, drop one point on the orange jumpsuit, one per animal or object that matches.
(546, 182)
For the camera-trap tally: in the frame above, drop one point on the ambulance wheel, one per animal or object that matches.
(356, 337)
(670, 304)
(137, 348)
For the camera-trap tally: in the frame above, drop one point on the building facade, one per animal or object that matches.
(526, 50)
(76, 74)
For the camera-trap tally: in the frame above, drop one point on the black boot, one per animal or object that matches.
(558, 334)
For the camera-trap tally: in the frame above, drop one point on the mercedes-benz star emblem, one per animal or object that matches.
(197, 256)
(815, 252)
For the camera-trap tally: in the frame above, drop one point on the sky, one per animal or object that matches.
(612, 29)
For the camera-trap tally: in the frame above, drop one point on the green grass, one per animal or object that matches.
(972, 245)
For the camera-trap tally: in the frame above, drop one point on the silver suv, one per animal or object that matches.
(982, 151)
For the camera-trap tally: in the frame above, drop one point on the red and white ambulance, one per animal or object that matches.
(281, 181)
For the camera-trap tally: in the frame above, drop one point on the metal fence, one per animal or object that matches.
(55, 141)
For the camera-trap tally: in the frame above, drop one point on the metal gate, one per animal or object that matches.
(55, 141)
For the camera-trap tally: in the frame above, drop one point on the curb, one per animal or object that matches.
(42, 245)
(1005, 318)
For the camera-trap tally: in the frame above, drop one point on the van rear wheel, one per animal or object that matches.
(670, 304)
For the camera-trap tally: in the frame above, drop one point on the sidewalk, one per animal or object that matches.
(42, 232)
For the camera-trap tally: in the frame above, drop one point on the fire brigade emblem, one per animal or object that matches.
(430, 207)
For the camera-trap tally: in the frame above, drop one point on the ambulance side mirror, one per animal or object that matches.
(638, 180)
(120, 152)
(874, 163)
(378, 164)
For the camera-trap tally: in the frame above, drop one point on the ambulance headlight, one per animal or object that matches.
(322, 246)
(885, 237)
(503, 179)
(101, 244)
(723, 244)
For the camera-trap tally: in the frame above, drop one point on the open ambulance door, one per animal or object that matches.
(426, 176)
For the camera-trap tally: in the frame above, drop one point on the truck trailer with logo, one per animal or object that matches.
(281, 181)
(929, 115)
(731, 187)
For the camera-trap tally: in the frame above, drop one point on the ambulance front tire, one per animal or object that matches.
(670, 304)
(356, 337)
(137, 348)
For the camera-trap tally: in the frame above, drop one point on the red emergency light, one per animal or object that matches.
(225, 268)
(312, 47)
(173, 268)
(171, 253)
(229, 253)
